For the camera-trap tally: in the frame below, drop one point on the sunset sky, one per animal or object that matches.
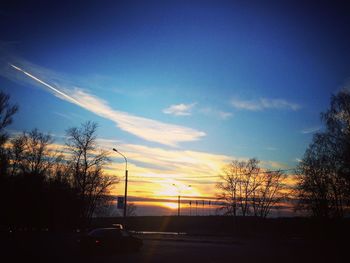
(179, 87)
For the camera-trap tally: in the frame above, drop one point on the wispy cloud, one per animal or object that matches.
(187, 109)
(274, 165)
(223, 115)
(311, 130)
(147, 129)
(155, 169)
(263, 104)
(179, 109)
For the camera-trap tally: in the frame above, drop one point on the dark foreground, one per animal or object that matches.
(243, 227)
(49, 247)
(207, 239)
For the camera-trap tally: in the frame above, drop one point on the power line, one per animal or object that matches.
(210, 176)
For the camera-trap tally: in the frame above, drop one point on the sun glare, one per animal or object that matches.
(177, 188)
(169, 205)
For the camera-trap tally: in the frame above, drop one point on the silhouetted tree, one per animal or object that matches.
(63, 200)
(229, 187)
(268, 193)
(40, 187)
(7, 110)
(86, 166)
(31, 154)
(337, 121)
(238, 183)
(249, 181)
(246, 189)
(324, 172)
(30, 170)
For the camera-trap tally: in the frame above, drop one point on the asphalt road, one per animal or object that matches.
(180, 251)
(295, 251)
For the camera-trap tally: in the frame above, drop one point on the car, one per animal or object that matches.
(109, 240)
(120, 226)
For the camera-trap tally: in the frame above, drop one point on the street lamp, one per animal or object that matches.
(126, 181)
(178, 199)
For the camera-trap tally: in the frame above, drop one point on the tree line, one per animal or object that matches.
(44, 187)
(324, 172)
(247, 189)
(323, 175)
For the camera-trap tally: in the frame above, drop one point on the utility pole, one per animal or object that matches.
(178, 199)
(126, 182)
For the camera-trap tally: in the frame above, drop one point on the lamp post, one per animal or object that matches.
(126, 181)
(178, 199)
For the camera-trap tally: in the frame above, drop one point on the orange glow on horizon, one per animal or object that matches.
(168, 205)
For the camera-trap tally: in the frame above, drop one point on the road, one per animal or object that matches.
(295, 251)
(181, 251)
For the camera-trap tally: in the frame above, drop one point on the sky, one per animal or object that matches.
(181, 88)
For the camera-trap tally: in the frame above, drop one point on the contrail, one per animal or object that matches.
(47, 85)
(144, 128)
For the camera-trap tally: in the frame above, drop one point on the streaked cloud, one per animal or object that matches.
(151, 169)
(223, 115)
(263, 104)
(311, 129)
(147, 129)
(180, 162)
(274, 165)
(179, 109)
(155, 169)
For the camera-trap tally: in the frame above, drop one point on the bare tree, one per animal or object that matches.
(324, 172)
(30, 167)
(16, 154)
(321, 189)
(268, 193)
(60, 169)
(229, 187)
(30, 153)
(238, 183)
(246, 189)
(7, 111)
(249, 181)
(86, 166)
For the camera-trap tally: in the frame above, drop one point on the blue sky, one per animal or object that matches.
(234, 79)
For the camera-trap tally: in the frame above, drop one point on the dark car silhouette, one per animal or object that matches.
(111, 240)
